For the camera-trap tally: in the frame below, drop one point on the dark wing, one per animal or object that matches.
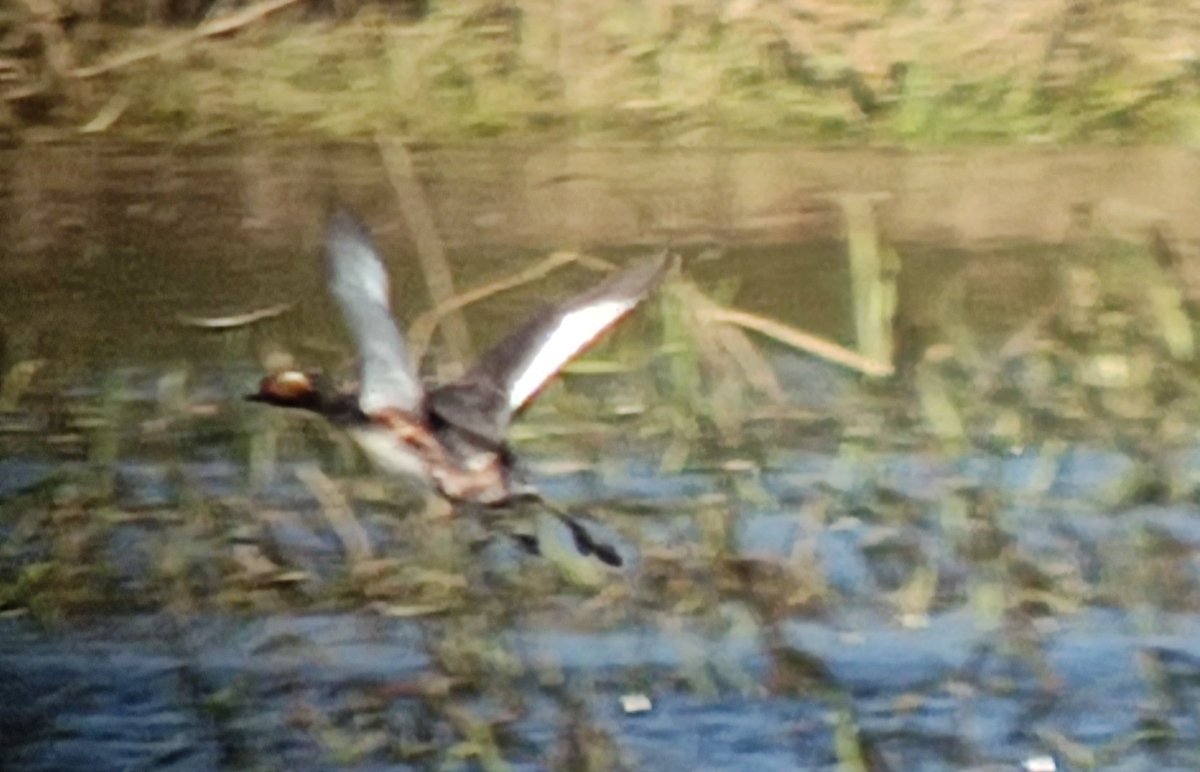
(360, 284)
(512, 372)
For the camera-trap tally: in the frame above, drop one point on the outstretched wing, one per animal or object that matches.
(512, 372)
(360, 284)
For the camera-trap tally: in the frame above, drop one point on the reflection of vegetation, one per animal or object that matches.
(919, 72)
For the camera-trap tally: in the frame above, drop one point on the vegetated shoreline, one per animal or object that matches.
(684, 73)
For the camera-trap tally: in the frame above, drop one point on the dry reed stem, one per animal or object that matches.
(109, 114)
(235, 320)
(803, 341)
(430, 249)
(209, 29)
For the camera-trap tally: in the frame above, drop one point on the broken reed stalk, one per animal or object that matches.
(431, 251)
(804, 341)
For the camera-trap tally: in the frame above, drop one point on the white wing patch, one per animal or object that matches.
(574, 331)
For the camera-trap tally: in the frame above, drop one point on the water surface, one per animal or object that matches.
(824, 582)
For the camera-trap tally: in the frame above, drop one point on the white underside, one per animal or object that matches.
(574, 331)
(391, 455)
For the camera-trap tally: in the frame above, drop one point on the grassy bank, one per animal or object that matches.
(874, 71)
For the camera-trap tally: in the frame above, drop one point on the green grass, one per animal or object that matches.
(872, 71)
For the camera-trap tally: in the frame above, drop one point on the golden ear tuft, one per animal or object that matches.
(288, 384)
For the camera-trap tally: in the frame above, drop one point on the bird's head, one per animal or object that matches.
(288, 388)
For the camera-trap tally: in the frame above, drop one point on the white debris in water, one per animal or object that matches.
(633, 704)
(914, 621)
(1039, 764)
